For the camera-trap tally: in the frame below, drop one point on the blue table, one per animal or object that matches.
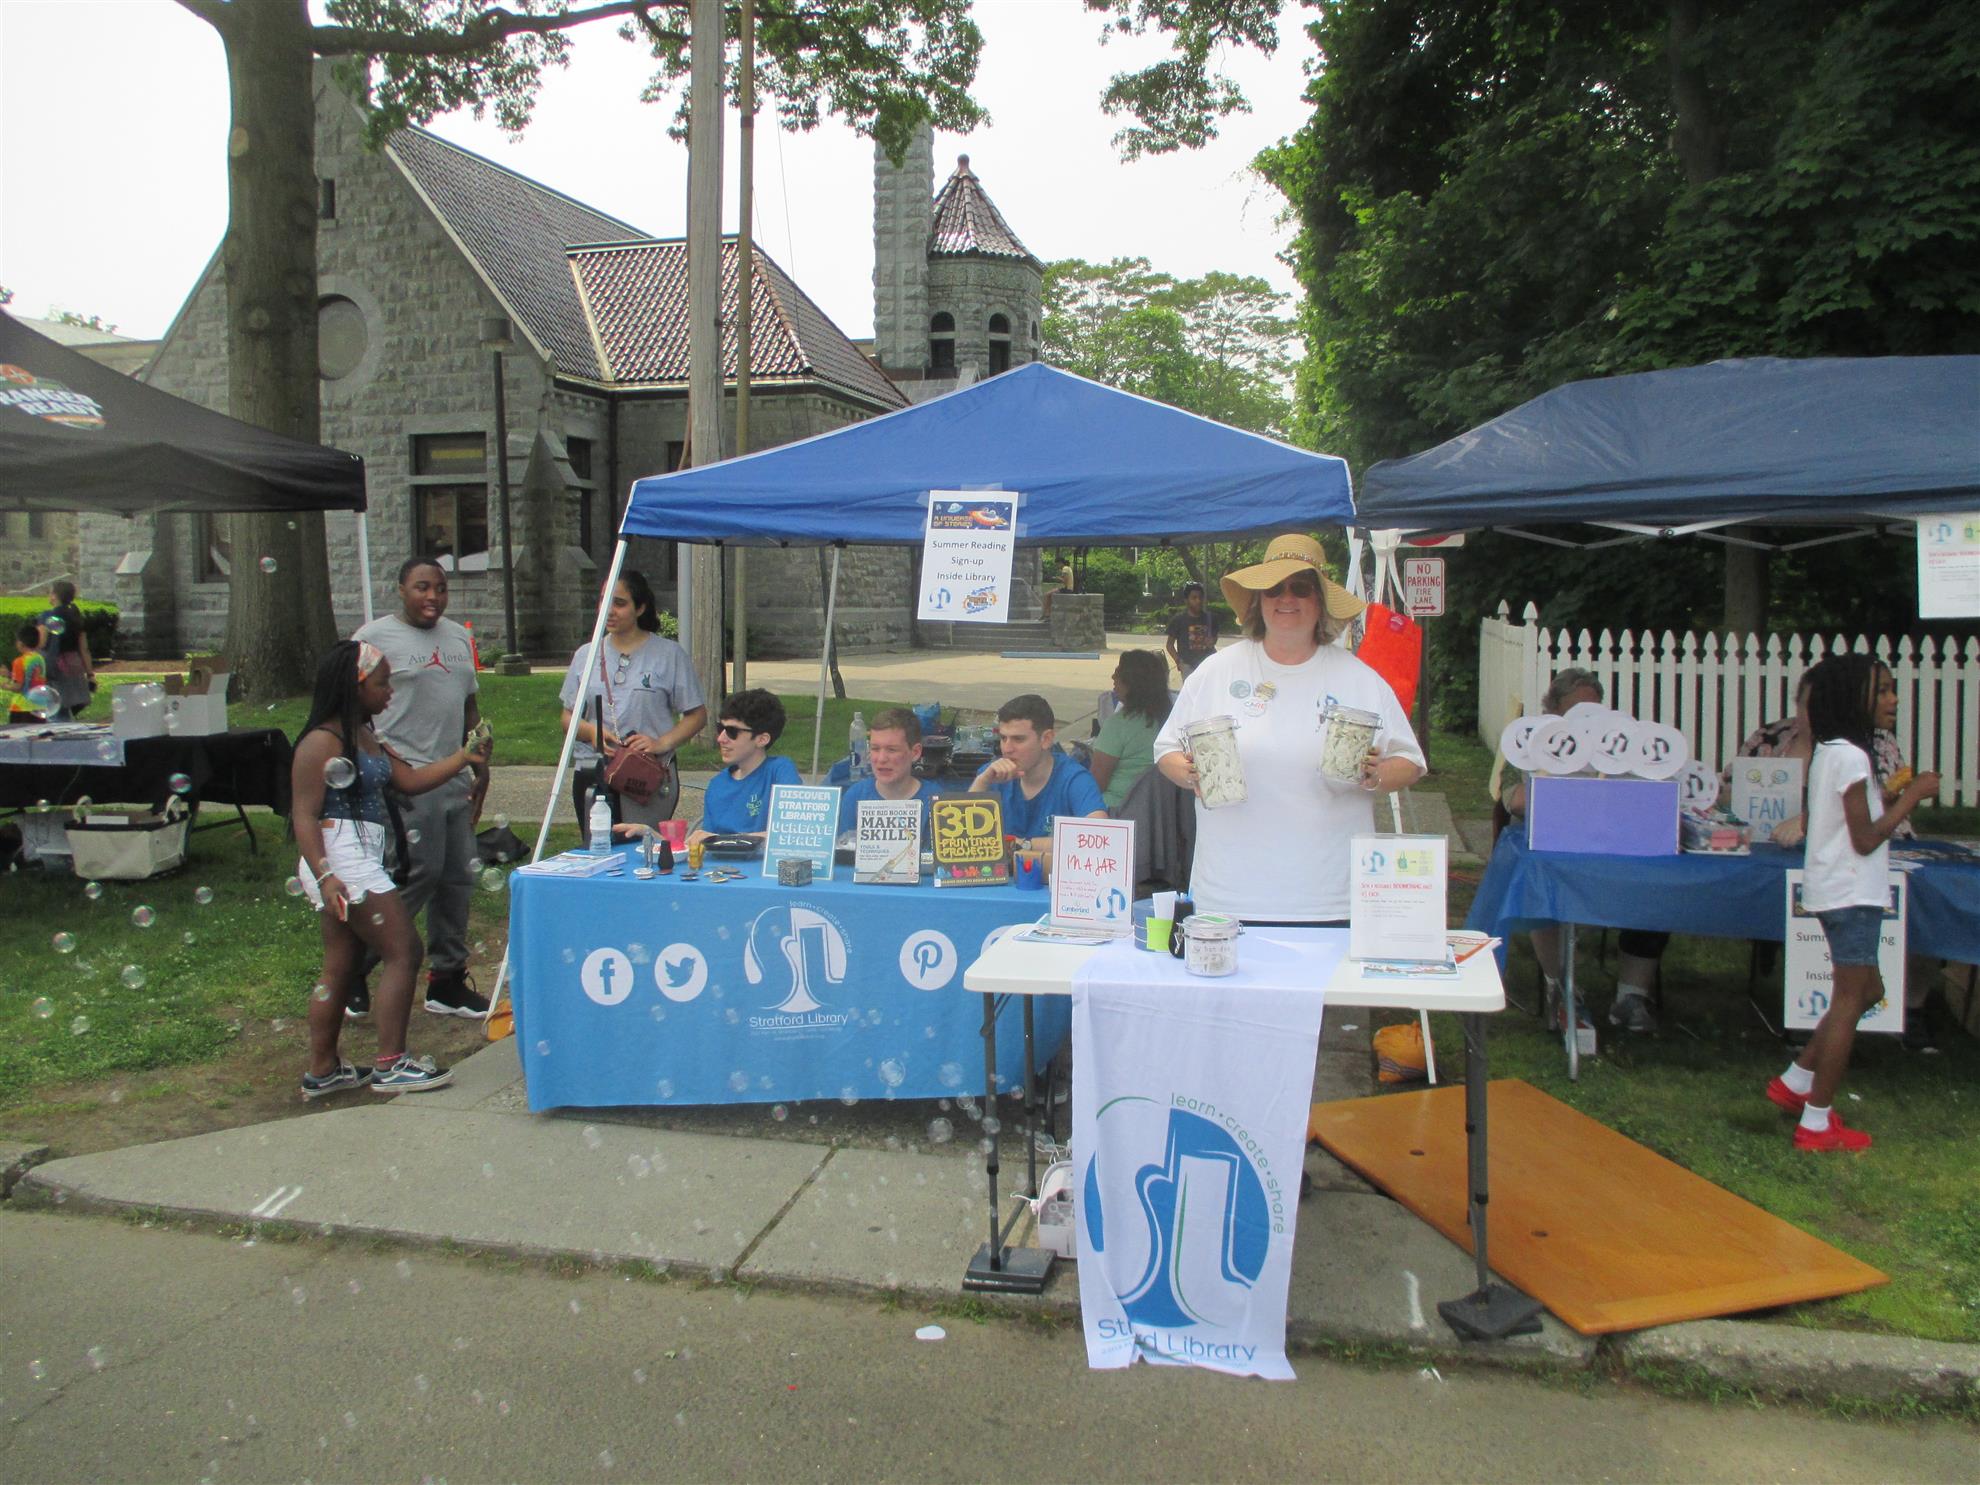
(665, 992)
(1713, 896)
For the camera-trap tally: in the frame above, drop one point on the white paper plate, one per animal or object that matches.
(1556, 748)
(1581, 711)
(1512, 741)
(1611, 742)
(1661, 750)
(1698, 787)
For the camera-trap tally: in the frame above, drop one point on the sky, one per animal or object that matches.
(113, 125)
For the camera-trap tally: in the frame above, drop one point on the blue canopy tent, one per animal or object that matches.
(1096, 466)
(1671, 453)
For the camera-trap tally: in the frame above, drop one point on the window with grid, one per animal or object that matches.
(450, 499)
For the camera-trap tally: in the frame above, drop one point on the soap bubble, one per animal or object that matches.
(493, 881)
(107, 749)
(92, 890)
(79, 1026)
(892, 1073)
(665, 1088)
(65, 943)
(321, 992)
(403, 1269)
(187, 936)
(293, 886)
(951, 1074)
(500, 822)
(55, 624)
(340, 772)
(412, 836)
(543, 1049)
(43, 1008)
(180, 784)
(38, 1369)
(849, 1095)
(42, 700)
(143, 917)
(739, 1081)
(268, 564)
(203, 896)
(940, 1131)
(779, 1112)
(133, 977)
(592, 1138)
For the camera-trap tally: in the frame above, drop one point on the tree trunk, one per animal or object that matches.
(279, 619)
(1746, 591)
(702, 572)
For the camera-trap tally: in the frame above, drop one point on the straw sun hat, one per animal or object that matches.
(1287, 555)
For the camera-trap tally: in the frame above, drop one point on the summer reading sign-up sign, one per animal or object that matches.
(1093, 874)
(966, 554)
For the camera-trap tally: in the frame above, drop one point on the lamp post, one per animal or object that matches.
(495, 338)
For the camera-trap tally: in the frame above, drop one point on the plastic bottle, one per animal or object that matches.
(860, 766)
(601, 825)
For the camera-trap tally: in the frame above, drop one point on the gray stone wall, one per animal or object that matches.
(29, 563)
(903, 213)
(973, 289)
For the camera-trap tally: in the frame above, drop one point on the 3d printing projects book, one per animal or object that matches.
(968, 831)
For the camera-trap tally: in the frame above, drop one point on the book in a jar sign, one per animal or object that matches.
(1093, 874)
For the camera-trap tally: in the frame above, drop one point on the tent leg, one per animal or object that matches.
(570, 742)
(824, 662)
(364, 561)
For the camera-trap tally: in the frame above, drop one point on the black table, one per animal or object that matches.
(244, 766)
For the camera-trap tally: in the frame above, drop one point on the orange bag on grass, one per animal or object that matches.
(1392, 647)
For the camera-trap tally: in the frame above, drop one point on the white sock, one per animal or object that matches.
(1814, 1119)
(1799, 1079)
(1625, 991)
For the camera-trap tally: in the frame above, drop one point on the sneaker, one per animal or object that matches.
(344, 1077)
(408, 1074)
(1632, 1013)
(453, 995)
(1838, 1136)
(357, 1004)
(1779, 1092)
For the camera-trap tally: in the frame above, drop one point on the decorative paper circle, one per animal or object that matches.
(1513, 740)
(1581, 711)
(1698, 787)
(1612, 744)
(1661, 750)
(1555, 748)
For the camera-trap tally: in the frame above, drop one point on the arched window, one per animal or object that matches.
(1000, 344)
(942, 344)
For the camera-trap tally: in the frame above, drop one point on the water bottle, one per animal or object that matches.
(857, 747)
(601, 825)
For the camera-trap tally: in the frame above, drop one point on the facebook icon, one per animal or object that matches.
(607, 976)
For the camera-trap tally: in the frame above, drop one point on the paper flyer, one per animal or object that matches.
(804, 826)
(1949, 566)
(1397, 910)
(966, 549)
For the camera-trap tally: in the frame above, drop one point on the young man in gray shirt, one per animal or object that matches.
(434, 707)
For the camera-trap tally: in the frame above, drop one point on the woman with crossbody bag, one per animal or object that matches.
(651, 704)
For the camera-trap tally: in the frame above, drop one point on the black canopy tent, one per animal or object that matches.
(75, 435)
(1767, 442)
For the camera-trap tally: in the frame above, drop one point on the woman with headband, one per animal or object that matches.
(340, 816)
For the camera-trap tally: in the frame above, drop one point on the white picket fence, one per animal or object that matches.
(1717, 689)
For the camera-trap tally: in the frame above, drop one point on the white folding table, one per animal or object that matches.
(1013, 966)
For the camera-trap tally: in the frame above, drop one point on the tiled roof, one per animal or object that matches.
(637, 296)
(966, 221)
(517, 231)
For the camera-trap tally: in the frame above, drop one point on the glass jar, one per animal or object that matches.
(1212, 747)
(1346, 735)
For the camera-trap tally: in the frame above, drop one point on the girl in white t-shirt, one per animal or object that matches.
(1846, 881)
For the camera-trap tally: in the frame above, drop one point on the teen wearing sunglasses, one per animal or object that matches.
(1282, 854)
(738, 798)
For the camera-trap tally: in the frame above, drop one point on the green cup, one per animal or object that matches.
(1153, 935)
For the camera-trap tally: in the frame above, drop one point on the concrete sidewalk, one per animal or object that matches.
(883, 1199)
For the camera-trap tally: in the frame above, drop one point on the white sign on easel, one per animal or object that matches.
(1809, 971)
(1766, 793)
(1093, 874)
(1398, 902)
(966, 549)
(1949, 566)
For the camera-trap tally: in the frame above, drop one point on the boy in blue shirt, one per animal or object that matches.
(1035, 781)
(893, 746)
(738, 798)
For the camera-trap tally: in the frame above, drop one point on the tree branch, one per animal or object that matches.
(484, 31)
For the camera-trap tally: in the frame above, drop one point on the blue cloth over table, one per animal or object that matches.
(1713, 896)
(672, 992)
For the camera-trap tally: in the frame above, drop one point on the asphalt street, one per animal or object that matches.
(135, 1353)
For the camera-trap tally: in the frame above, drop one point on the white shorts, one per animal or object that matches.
(355, 850)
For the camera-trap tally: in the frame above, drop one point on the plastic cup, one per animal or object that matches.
(674, 833)
(1152, 934)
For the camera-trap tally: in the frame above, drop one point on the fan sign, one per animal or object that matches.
(1661, 751)
(1555, 748)
(1698, 787)
(1513, 741)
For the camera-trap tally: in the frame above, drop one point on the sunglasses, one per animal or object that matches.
(1302, 586)
(734, 731)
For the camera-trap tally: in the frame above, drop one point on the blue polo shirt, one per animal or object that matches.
(733, 806)
(1070, 791)
(853, 793)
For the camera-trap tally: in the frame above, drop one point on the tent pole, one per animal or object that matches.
(570, 742)
(364, 561)
(824, 661)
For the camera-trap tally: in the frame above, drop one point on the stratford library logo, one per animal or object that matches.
(800, 952)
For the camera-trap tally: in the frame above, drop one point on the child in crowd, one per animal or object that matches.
(1847, 881)
(738, 798)
(340, 815)
(29, 670)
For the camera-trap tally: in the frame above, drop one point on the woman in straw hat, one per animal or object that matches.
(1281, 855)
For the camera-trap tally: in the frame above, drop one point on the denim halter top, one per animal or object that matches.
(365, 798)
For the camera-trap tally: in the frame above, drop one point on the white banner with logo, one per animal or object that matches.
(1189, 1133)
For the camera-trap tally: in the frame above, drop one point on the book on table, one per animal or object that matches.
(967, 831)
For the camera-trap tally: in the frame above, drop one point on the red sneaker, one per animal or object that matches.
(1779, 1092)
(1838, 1136)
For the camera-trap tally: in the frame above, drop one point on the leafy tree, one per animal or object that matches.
(883, 65)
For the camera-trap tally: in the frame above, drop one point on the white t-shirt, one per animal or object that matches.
(1835, 875)
(652, 688)
(1283, 854)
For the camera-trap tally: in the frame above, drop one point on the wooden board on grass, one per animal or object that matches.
(1608, 1235)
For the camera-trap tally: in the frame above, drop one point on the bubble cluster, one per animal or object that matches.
(142, 916)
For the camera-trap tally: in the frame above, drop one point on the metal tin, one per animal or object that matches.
(1212, 746)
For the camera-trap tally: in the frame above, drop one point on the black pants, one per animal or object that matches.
(1642, 943)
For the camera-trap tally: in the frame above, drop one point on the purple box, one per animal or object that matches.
(1605, 817)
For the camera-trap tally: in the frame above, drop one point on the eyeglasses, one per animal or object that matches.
(1301, 585)
(734, 731)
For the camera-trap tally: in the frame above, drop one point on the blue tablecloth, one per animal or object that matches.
(672, 992)
(1714, 896)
